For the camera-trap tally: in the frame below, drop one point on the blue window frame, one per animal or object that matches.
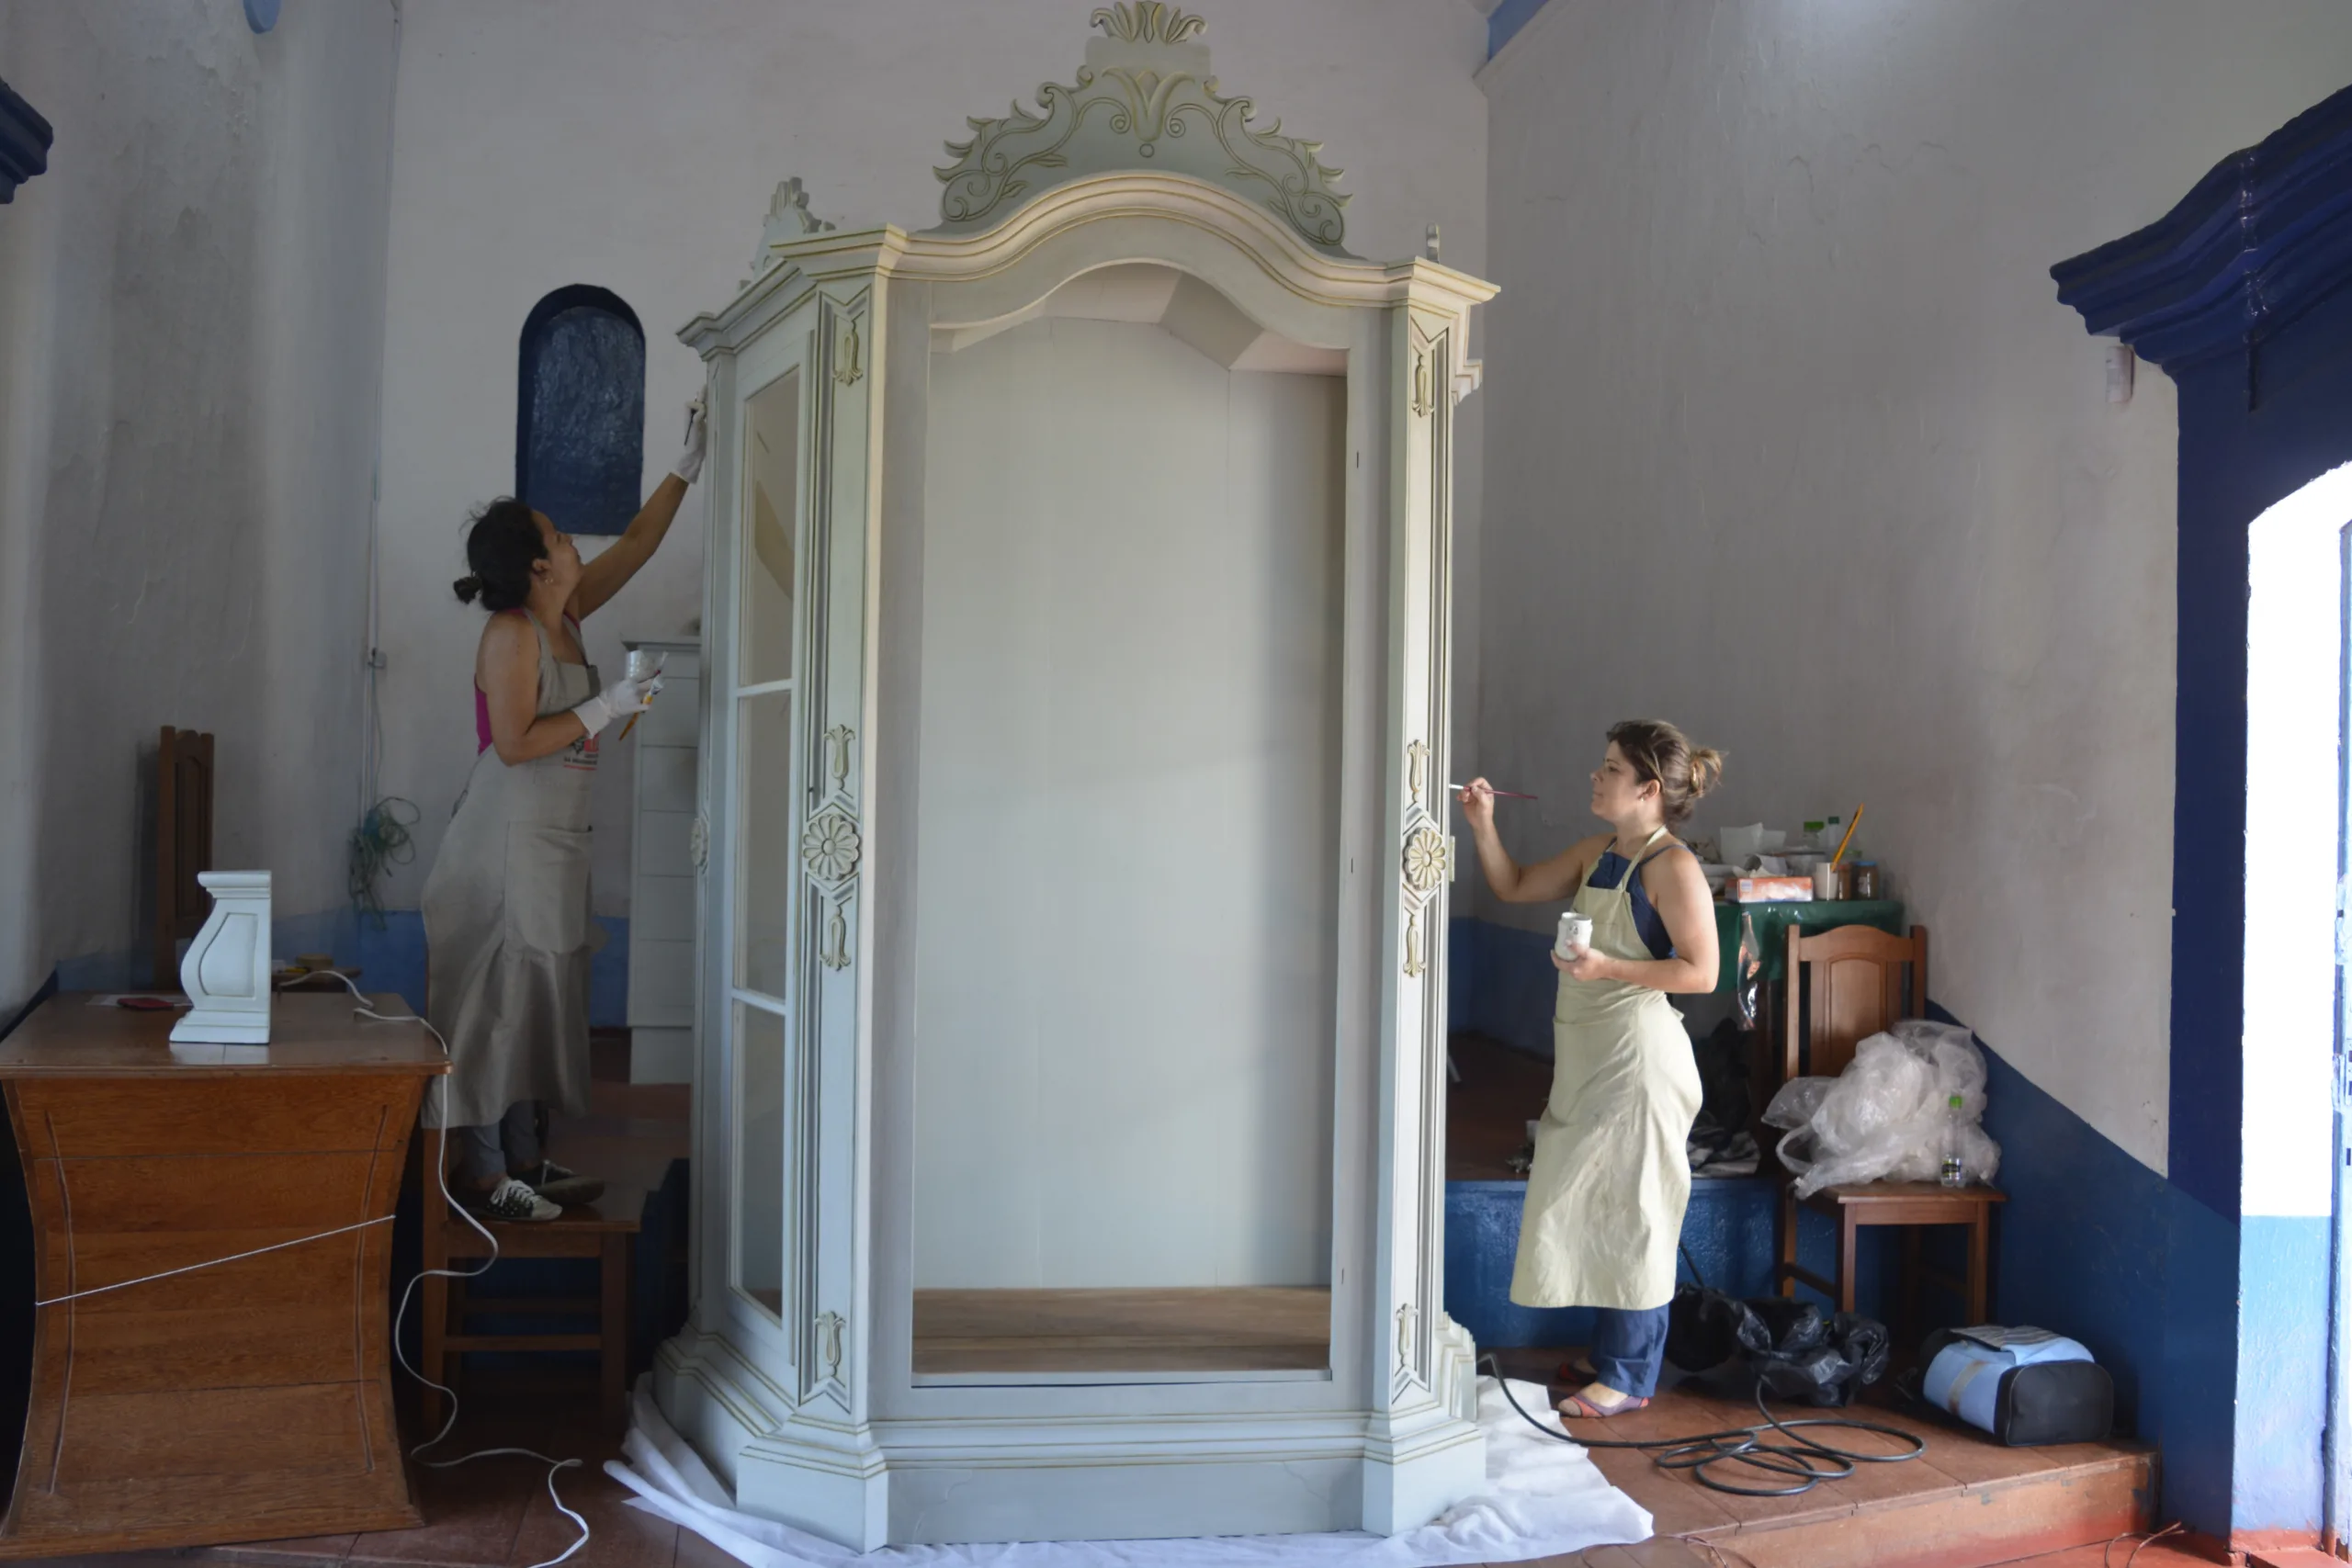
(580, 411)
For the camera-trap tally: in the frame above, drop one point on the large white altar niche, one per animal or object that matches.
(1127, 846)
(1068, 1137)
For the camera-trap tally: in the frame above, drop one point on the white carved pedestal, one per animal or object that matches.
(226, 969)
(1070, 1033)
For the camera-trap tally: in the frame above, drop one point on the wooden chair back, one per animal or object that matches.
(1848, 984)
(182, 845)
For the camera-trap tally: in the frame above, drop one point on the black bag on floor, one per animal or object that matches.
(2025, 1386)
(1790, 1347)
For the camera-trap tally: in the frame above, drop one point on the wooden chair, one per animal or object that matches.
(605, 1231)
(183, 846)
(1848, 984)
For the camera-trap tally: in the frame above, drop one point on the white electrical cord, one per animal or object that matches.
(441, 1175)
(211, 1262)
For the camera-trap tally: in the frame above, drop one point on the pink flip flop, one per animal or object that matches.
(1577, 1408)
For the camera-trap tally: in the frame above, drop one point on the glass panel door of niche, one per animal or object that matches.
(763, 664)
(1127, 887)
(759, 678)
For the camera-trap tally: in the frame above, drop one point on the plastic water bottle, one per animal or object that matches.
(1955, 1170)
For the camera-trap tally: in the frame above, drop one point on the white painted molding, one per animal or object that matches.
(1168, 203)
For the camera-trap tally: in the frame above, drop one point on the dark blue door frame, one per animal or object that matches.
(25, 140)
(2239, 294)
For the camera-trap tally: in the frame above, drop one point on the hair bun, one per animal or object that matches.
(1706, 770)
(468, 589)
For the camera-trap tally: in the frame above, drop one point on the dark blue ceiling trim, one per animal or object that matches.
(2262, 238)
(25, 140)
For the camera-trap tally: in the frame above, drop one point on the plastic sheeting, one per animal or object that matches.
(1544, 1498)
(1887, 1117)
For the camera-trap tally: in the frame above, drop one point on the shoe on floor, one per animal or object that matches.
(512, 1201)
(561, 1184)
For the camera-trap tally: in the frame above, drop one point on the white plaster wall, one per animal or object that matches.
(1790, 441)
(191, 327)
(541, 142)
(1128, 875)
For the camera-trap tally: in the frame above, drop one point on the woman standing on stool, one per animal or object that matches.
(1612, 1175)
(507, 934)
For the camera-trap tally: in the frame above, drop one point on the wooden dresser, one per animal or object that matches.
(243, 1401)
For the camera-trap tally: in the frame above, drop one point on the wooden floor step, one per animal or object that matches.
(1965, 1502)
(2291, 1557)
(1965, 1527)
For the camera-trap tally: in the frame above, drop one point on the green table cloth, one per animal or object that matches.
(1772, 922)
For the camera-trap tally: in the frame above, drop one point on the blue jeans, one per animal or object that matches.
(1628, 1348)
(484, 1155)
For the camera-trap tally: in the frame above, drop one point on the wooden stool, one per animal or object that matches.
(605, 1230)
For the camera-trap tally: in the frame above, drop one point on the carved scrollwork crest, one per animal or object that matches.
(1145, 98)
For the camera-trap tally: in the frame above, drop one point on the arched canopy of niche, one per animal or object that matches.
(580, 411)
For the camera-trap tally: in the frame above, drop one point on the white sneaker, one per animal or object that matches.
(561, 1184)
(511, 1200)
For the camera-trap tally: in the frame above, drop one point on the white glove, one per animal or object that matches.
(622, 696)
(689, 464)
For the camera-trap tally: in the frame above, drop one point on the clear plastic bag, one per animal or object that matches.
(1747, 974)
(1887, 1117)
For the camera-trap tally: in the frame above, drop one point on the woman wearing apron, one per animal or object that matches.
(508, 937)
(1612, 1174)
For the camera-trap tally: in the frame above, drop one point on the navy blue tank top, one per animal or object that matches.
(1608, 872)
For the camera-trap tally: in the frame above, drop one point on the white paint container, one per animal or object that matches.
(1576, 934)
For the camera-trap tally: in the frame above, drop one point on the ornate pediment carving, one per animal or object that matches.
(789, 219)
(1145, 100)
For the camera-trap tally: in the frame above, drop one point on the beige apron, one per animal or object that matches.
(1612, 1173)
(508, 939)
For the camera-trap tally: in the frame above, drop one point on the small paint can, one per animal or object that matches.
(1576, 934)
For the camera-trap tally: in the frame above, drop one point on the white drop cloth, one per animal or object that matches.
(1544, 1498)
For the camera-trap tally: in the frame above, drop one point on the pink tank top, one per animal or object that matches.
(481, 698)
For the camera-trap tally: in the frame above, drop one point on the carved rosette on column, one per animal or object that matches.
(830, 848)
(1428, 860)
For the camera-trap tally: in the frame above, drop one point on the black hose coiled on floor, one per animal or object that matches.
(1805, 1461)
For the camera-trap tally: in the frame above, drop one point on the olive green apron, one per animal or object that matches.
(508, 939)
(1612, 1176)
